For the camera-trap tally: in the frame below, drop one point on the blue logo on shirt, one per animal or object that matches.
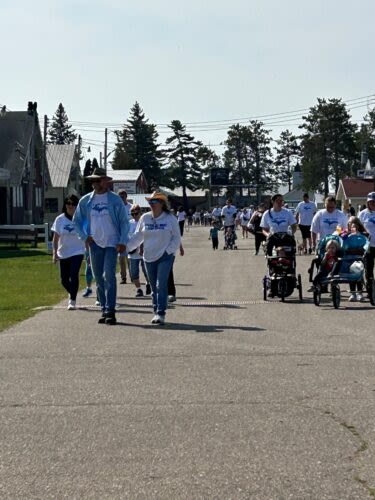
(307, 208)
(279, 221)
(99, 208)
(69, 227)
(330, 222)
(371, 219)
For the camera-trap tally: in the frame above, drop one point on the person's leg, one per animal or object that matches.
(122, 262)
(65, 273)
(181, 224)
(88, 270)
(134, 272)
(97, 265)
(369, 263)
(75, 266)
(258, 240)
(152, 274)
(171, 285)
(110, 283)
(164, 267)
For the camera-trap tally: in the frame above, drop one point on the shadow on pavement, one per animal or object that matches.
(195, 328)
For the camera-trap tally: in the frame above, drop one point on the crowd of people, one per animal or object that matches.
(103, 228)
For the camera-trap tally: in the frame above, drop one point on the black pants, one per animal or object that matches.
(259, 237)
(369, 263)
(181, 224)
(171, 285)
(215, 243)
(69, 274)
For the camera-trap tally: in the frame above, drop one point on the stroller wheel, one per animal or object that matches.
(299, 286)
(282, 289)
(265, 288)
(336, 296)
(371, 291)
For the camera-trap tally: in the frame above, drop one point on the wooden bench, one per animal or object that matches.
(18, 234)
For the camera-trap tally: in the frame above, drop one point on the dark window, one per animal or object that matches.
(52, 205)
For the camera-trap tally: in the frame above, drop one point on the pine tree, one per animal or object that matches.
(287, 154)
(207, 159)
(182, 156)
(328, 145)
(60, 132)
(137, 147)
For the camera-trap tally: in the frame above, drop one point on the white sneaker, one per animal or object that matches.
(71, 305)
(359, 297)
(353, 297)
(171, 298)
(160, 320)
(97, 303)
(155, 319)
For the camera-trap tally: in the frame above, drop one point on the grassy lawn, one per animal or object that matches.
(29, 279)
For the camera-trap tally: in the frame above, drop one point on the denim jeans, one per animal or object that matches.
(158, 273)
(103, 263)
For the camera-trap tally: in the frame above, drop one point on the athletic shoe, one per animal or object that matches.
(160, 320)
(311, 288)
(123, 281)
(359, 297)
(310, 250)
(97, 303)
(87, 292)
(255, 253)
(155, 319)
(353, 297)
(148, 289)
(71, 305)
(139, 293)
(171, 298)
(102, 319)
(110, 319)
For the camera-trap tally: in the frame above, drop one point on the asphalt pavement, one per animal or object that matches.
(234, 398)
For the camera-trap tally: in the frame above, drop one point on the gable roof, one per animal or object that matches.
(124, 175)
(16, 130)
(59, 161)
(356, 188)
(297, 195)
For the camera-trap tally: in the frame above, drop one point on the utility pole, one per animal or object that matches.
(105, 148)
(44, 163)
(100, 159)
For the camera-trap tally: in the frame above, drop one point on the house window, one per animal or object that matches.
(52, 205)
(17, 197)
(38, 197)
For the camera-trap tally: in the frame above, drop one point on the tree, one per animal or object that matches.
(365, 138)
(207, 159)
(287, 153)
(59, 131)
(137, 146)
(182, 156)
(248, 156)
(328, 146)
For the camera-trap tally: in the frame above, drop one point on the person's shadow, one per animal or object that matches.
(187, 327)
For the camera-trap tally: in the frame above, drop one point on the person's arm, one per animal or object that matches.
(264, 225)
(314, 229)
(78, 221)
(55, 244)
(123, 220)
(137, 238)
(175, 241)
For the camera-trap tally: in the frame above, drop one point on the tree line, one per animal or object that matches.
(328, 148)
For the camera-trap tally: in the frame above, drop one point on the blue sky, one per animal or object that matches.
(192, 60)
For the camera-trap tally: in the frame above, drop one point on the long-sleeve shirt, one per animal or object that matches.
(158, 235)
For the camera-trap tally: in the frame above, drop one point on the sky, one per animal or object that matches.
(191, 60)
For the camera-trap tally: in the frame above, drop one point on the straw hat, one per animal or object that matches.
(156, 195)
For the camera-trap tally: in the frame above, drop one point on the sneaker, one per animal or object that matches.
(353, 297)
(139, 293)
(110, 319)
(256, 253)
(123, 281)
(102, 319)
(155, 319)
(160, 320)
(310, 250)
(71, 305)
(97, 303)
(87, 292)
(359, 297)
(270, 295)
(311, 288)
(171, 298)
(148, 289)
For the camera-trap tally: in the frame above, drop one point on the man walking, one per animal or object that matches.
(305, 212)
(123, 258)
(326, 221)
(228, 215)
(102, 222)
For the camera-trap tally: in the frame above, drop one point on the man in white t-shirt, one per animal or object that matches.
(277, 220)
(123, 257)
(325, 221)
(228, 214)
(367, 217)
(305, 212)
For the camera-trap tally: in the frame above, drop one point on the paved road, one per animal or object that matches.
(229, 400)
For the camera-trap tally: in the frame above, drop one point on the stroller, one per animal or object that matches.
(349, 268)
(281, 279)
(230, 240)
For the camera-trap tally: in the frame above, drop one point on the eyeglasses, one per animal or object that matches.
(70, 204)
(153, 202)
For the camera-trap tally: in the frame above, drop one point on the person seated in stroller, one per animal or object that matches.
(230, 239)
(282, 263)
(328, 263)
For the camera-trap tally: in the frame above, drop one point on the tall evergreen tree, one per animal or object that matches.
(287, 155)
(207, 159)
(137, 146)
(182, 156)
(328, 145)
(59, 131)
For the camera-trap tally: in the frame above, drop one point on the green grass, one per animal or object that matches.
(29, 279)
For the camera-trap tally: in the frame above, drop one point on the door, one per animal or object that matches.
(3, 205)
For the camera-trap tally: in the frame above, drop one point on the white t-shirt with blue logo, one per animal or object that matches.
(367, 217)
(306, 211)
(277, 222)
(102, 229)
(229, 213)
(325, 222)
(69, 242)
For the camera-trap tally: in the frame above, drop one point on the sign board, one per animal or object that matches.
(129, 186)
(219, 176)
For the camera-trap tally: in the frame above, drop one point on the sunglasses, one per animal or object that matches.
(70, 204)
(153, 202)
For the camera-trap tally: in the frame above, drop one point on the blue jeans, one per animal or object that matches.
(158, 273)
(103, 263)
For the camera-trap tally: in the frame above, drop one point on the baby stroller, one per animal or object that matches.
(230, 240)
(281, 279)
(349, 268)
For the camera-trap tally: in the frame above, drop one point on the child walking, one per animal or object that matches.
(214, 236)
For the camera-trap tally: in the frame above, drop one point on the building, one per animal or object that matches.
(133, 181)
(295, 195)
(21, 167)
(64, 177)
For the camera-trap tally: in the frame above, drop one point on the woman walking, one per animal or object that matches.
(159, 232)
(181, 217)
(68, 249)
(255, 229)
